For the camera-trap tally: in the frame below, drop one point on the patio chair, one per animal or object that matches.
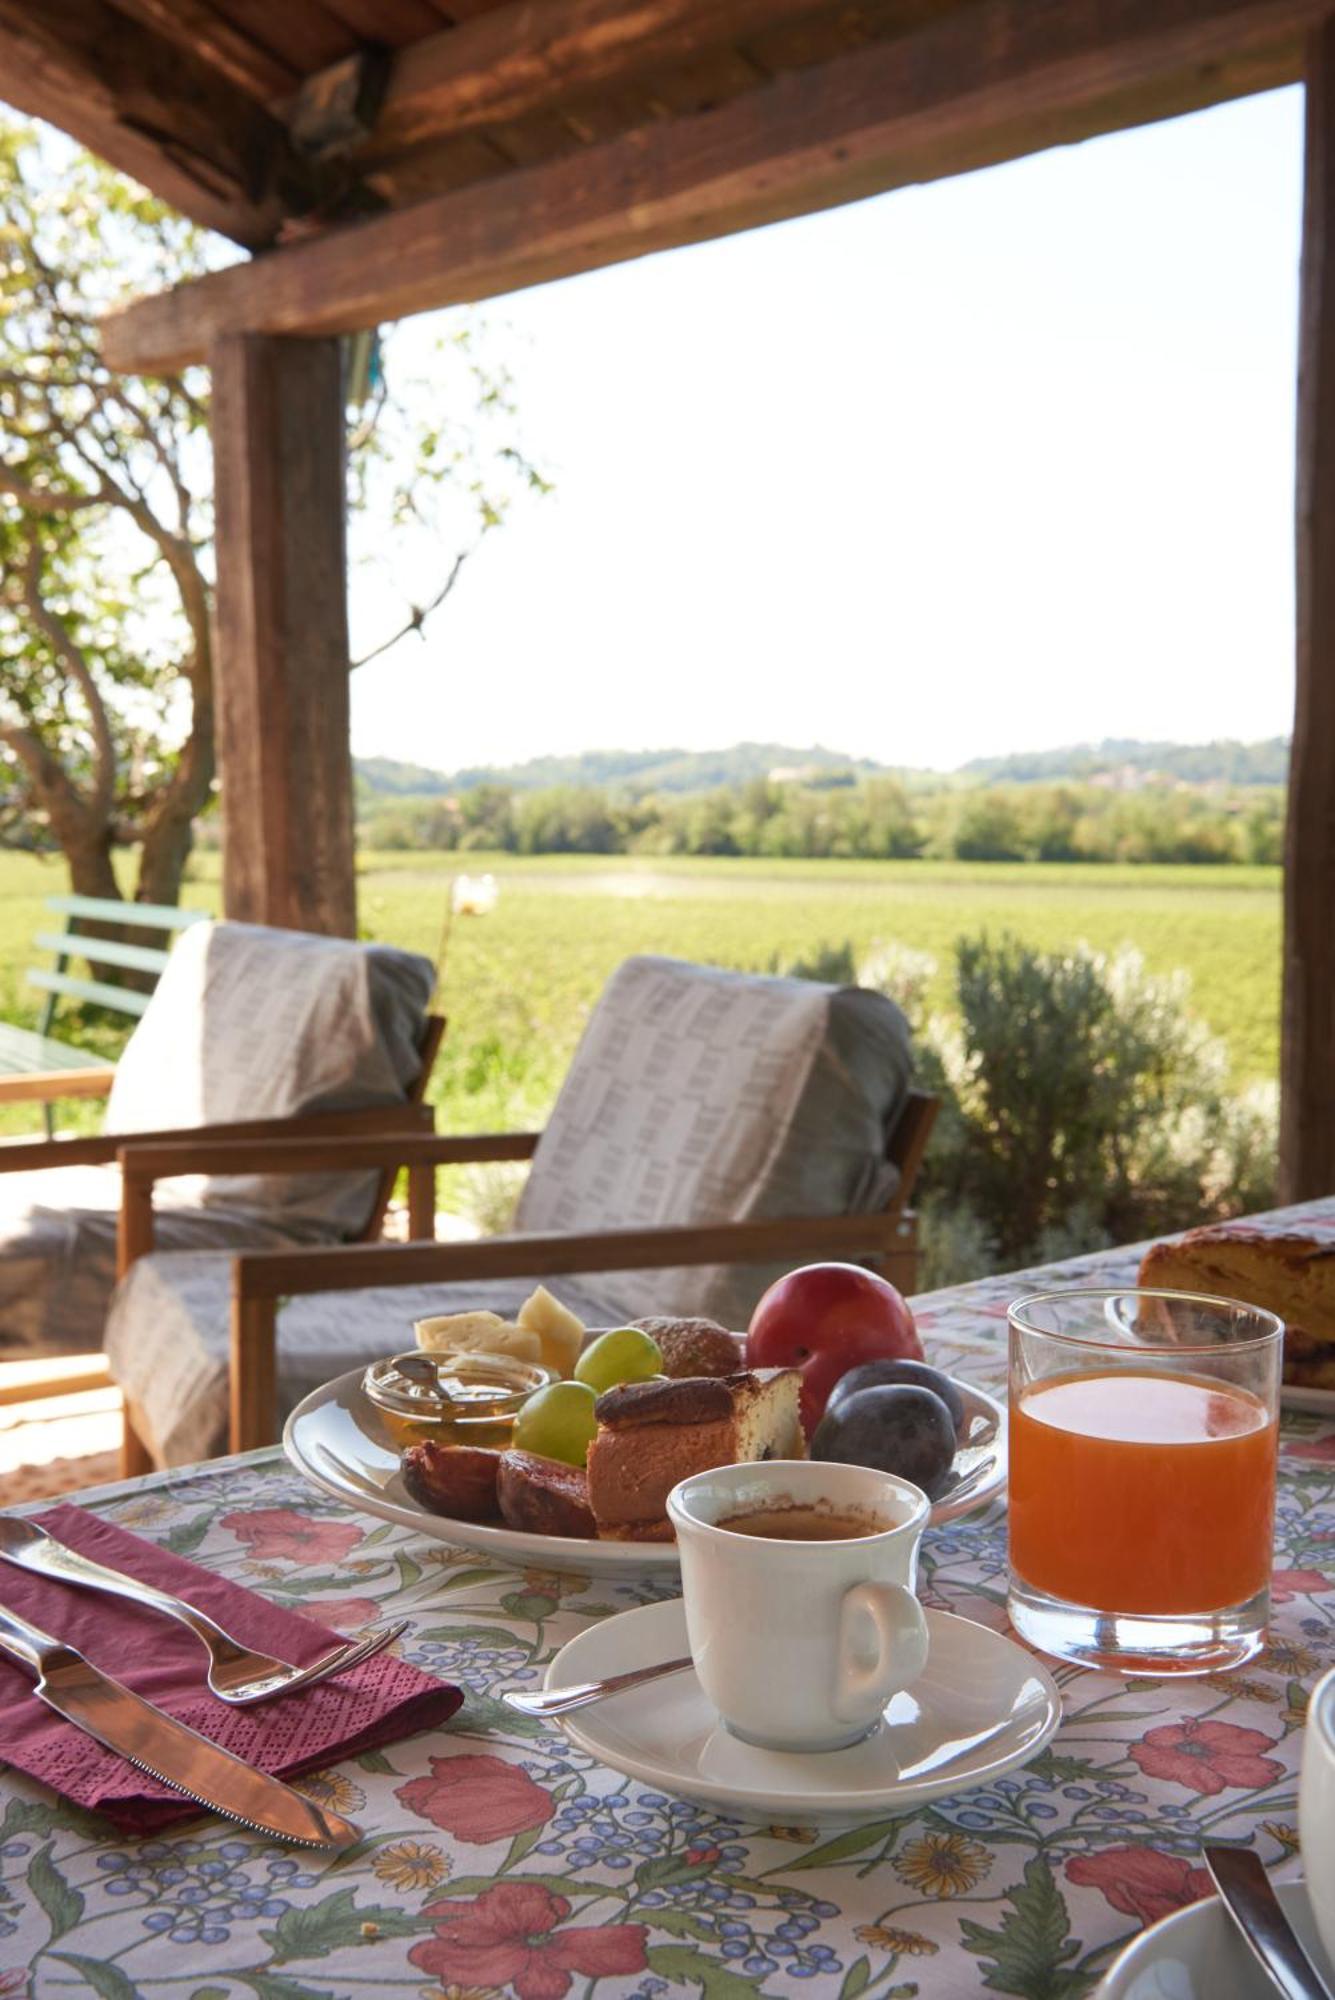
(714, 1128)
(251, 1032)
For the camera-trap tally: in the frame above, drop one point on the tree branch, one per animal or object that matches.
(76, 666)
(418, 616)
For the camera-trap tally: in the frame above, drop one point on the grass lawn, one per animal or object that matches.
(517, 984)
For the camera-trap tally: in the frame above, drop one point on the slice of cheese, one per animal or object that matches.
(560, 1331)
(477, 1333)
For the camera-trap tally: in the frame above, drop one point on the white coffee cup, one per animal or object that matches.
(1316, 1808)
(800, 1644)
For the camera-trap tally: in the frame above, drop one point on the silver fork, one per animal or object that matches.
(236, 1674)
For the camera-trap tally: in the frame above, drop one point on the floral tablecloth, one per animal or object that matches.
(500, 1861)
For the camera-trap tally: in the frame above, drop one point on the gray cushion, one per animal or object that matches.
(245, 1023)
(168, 1338)
(699, 1095)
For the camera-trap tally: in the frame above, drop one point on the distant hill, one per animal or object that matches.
(1227, 763)
(619, 770)
(683, 771)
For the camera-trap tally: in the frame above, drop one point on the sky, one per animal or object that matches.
(1000, 463)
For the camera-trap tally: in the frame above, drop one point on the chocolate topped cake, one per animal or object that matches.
(652, 1434)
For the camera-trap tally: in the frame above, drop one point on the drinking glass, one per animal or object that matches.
(1144, 1431)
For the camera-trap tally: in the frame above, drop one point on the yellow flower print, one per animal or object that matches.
(1286, 1656)
(332, 1789)
(888, 1937)
(1281, 1832)
(1242, 1690)
(412, 1864)
(803, 1835)
(943, 1864)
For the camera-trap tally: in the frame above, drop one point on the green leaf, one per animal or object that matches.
(522, 1844)
(107, 1981)
(842, 1848)
(28, 1816)
(277, 1986)
(1031, 1950)
(209, 1993)
(376, 1760)
(857, 1976)
(483, 1715)
(683, 1965)
(483, 1635)
(410, 1571)
(1062, 1770)
(313, 1930)
(187, 1536)
(460, 1579)
(531, 1605)
(678, 1923)
(63, 1905)
(667, 1868)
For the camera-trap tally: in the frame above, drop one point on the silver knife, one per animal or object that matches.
(1255, 1909)
(162, 1746)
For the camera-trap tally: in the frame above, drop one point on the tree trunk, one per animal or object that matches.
(91, 872)
(162, 858)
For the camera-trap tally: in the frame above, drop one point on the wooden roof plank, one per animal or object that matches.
(996, 79)
(519, 58)
(202, 27)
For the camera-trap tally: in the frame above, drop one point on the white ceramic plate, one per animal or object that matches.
(1196, 1954)
(982, 1707)
(337, 1439)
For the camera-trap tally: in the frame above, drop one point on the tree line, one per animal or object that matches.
(873, 818)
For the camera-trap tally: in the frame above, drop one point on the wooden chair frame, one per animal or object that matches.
(260, 1279)
(317, 1129)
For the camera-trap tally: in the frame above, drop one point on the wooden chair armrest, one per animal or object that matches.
(145, 1162)
(101, 1149)
(154, 1160)
(274, 1274)
(261, 1278)
(46, 1086)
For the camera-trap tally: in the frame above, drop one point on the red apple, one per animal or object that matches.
(826, 1319)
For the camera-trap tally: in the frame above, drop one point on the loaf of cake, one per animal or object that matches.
(652, 1434)
(1291, 1275)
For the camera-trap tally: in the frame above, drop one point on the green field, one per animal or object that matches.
(517, 984)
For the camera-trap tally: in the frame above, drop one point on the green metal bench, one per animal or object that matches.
(33, 1064)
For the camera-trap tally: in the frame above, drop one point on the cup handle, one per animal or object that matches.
(892, 1618)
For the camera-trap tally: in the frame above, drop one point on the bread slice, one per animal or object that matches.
(653, 1434)
(1292, 1275)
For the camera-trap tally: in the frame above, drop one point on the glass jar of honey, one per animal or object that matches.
(473, 1399)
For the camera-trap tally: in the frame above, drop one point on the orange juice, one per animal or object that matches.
(1149, 1493)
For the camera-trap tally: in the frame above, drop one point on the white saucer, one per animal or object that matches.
(1196, 1954)
(983, 1706)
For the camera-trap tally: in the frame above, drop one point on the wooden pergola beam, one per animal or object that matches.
(1307, 1046)
(992, 81)
(517, 59)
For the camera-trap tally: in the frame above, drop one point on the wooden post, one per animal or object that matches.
(1307, 1057)
(284, 757)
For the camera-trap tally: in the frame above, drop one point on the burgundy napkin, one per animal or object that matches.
(381, 1701)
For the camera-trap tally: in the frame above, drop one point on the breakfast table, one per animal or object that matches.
(500, 1860)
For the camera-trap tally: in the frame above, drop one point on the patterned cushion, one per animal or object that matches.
(245, 1023)
(168, 1340)
(700, 1096)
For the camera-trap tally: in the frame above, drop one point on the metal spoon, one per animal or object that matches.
(1255, 1909)
(559, 1701)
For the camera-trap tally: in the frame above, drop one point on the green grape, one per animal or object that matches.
(624, 1355)
(558, 1422)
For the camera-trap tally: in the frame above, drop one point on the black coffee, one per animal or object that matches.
(800, 1524)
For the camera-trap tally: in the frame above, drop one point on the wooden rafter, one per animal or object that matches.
(519, 59)
(994, 80)
(157, 110)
